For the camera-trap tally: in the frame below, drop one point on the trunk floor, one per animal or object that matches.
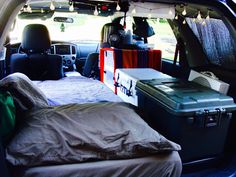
(225, 170)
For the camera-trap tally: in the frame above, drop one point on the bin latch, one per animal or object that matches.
(213, 117)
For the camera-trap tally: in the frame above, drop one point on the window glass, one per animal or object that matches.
(216, 41)
(84, 28)
(164, 38)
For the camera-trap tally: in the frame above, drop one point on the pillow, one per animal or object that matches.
(25, 94)
(77, 133)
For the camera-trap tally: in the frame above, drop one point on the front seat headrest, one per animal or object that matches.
(112, 34)
(35, 38)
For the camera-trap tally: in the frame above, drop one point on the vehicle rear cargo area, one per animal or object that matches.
(225, 169)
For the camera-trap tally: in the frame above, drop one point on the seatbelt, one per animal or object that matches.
(180, 51)
(124, 26)
(183, 63)
(177, 50)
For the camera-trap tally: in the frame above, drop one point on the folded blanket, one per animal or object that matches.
(77, 133)
(25, 94)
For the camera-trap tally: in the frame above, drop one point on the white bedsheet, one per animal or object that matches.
(76, 89)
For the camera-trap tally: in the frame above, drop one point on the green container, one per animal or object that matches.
(192, 115)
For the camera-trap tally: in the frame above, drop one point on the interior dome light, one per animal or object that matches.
(71, 8)
(52, 7)
(199, 17)
(28, 9)
(95, 11)
(176, 17)
(204, 22)
(184, 11)
(117, 6)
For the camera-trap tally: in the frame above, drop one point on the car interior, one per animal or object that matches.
(117, 88)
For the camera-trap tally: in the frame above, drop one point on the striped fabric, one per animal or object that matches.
(124, 58)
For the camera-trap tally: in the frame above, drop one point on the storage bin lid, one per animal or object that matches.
(181, 96)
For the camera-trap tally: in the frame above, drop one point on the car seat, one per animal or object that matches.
(114, 35)
(91, 66)
(33, 58)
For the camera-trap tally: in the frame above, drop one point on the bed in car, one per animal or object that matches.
(93, 138)
(195, 51)
(90, 139)
(100, 136)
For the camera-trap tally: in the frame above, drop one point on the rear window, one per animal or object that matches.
(216, 40)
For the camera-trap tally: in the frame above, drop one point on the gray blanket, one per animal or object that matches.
(77, 133)
(25, 94)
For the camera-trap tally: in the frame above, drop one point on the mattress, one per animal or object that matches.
(161, 165)
(76, 89)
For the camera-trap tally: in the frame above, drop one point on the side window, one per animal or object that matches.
(164, 38)
(216, 40)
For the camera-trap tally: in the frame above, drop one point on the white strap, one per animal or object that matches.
(210, 74)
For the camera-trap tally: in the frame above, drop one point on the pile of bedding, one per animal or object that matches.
(75, 133)
(25, 93)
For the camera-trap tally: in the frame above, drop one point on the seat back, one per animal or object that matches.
(34, 60)
(114, 35)
(91, 65)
